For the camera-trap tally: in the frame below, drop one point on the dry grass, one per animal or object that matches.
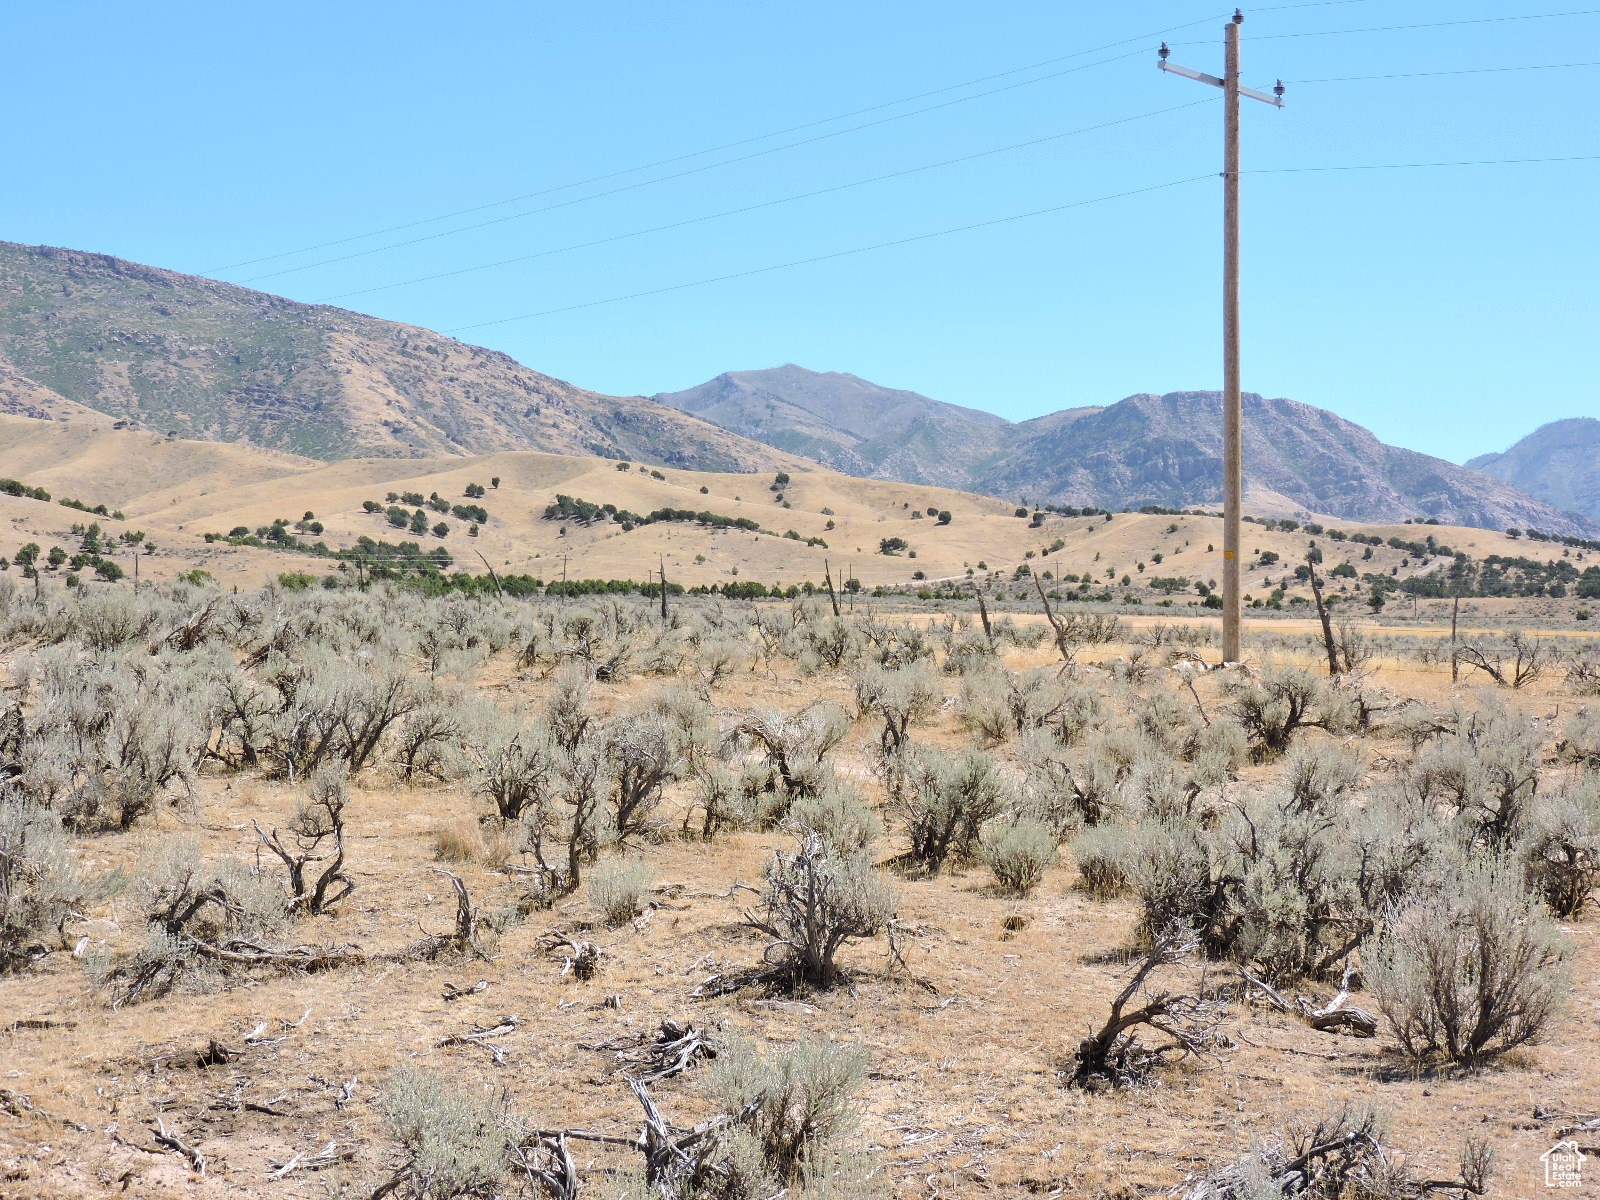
(177, 491)
(964, 1097)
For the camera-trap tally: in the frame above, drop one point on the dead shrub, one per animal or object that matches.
(1338, 1156)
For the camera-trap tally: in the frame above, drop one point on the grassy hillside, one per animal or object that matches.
(177, 492)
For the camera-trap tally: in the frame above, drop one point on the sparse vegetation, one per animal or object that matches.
(604, 798)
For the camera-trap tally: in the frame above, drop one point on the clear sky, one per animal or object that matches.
(1449, 309)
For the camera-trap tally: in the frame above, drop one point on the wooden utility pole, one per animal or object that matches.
(1232, 398)
(1232, 394)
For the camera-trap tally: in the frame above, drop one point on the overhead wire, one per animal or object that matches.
(818, 258)
(733, 145)
(1413, 166)
(1038, 212)
(748, 208)
(1433, 74)
(630, 187)
(1310, 33)
(432, 278)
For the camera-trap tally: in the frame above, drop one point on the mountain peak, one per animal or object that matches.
(1558, 462)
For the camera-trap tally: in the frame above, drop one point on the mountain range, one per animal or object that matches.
(85, 336)
(1143, 450)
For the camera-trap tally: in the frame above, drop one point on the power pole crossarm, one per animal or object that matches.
(1232, 396)
(1173, 68)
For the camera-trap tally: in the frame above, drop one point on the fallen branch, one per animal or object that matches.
(171, 1141)
(671, 1052)
(1114, 1055)
(1336, 1016)
(330, 1155)
(480, 1037)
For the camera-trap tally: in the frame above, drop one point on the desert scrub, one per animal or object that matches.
(108, 739)
(898, 697)
(1469, 966)
(40, 886)
(1018, 853)
(192, 910)
(795, 748)
(839, 817)
(452, 1141)
(1581, 739)
(1561, 847)
(997, 704)
(1282, 701)
(816, 902)
(945, 803)
(643, 758)
(514, 765)
(620, 890)
(1102, 853)
(802, 1114)
(1487, 768)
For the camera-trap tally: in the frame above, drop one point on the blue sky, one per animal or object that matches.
(1451, 310)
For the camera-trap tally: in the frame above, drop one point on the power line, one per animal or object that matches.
(772, 203)
(801, 262)
(1307, 4)
(630, 187)
(1412, 166)
(1265, 37)
(665, 162)
(1432, 74)
(1039, 212)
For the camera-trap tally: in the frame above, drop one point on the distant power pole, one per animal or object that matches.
(1232, 404)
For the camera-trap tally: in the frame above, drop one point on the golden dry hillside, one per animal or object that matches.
(177, 492)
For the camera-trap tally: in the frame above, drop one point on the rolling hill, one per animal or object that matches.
(1559, 463)
(176, 492)
(87, 333)
(1144, 450)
